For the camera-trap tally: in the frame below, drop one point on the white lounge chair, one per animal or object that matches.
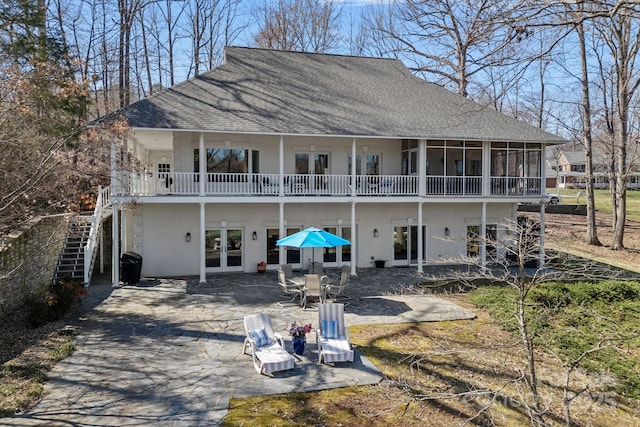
(332, 335)
(267, 348)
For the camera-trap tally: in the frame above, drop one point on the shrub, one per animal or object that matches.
(55, 302)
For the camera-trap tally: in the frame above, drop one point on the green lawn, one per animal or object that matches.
(603, 201)
(570, 319)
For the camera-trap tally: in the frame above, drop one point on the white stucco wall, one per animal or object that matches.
(158, 231)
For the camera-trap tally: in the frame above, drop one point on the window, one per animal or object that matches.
(273, 251)
(453, 158)
(314, 163)
(371, 164)
(474, 240)
(516, 160)
(164, 169)
(409, 156)
(228, 160)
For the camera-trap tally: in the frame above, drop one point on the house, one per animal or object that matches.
(216, 169)
(570, 170)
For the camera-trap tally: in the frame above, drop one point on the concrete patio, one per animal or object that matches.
(167, 352)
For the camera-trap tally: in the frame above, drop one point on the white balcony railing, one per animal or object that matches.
(516, 186)
(264, 184)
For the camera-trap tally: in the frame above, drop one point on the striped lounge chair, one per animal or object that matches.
(333, 336)
(267, 348)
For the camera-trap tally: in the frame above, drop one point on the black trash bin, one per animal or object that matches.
(130, 267)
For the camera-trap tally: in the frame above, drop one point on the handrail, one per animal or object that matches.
(102, 202)
(272, 184)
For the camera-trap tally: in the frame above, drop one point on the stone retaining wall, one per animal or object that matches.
(557, 209)
(28, 259)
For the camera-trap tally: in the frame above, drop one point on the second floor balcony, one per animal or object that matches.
(275, 185)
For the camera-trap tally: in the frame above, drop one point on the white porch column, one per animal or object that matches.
(202, 166)
(124, 247)
(486, 168)
(281, 168)
(101, 248)
(115, 251)
(354, 185)
(422, 167)
(115, 188)
(354, 251)
(542, 253)
(203, 244)
(483, 235)
(420, 234)
(543, 174)
(281, 252)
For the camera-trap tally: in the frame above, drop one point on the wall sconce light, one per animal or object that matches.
(187, 238)
(255, 235)
(365, 148)
(375, 232)
(227, 143)
(447, 232)
(312, 147)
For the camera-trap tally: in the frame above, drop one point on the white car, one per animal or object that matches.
(552, 198)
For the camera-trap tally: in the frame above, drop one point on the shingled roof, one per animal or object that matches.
(294, 93)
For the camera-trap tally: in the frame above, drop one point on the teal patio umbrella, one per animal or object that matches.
(313, 238)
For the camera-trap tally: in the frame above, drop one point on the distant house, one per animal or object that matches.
(570, 171)
(219, 167)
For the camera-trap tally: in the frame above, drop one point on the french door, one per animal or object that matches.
(224, 247)
(405, 244)
(273, 251)
(334, 257)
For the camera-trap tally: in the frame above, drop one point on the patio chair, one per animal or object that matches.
(334, 291)
(289, 288)
(288, 270)
(313, 288)
(332, 335)
(267, 348)
(316, 268)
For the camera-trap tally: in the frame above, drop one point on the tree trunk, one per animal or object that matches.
(592, 234)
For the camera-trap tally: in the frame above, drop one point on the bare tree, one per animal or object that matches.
(515, 265)
(300, 25)
(448, 40)
(212, 26)
(620, 35)
(587, 137)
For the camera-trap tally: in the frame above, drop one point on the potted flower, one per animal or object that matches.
(262, 267)
(299, 332)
